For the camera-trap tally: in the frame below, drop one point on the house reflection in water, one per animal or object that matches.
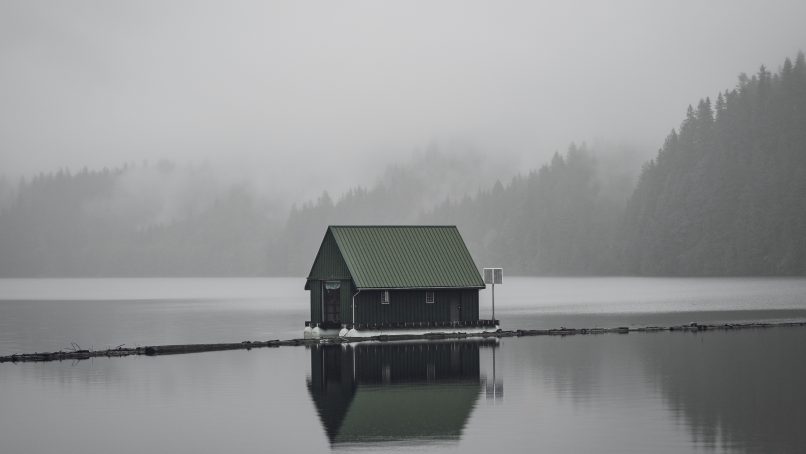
(396, 391)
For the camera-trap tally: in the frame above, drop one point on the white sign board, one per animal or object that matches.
(493, 275)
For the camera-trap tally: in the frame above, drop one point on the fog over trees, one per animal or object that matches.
(725, 195)
(727, 192)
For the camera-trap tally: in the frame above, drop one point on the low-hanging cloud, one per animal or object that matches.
(308, 96)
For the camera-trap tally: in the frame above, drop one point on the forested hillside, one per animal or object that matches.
(726, 194)
(557, 220)
(167, 220)
(88, 224)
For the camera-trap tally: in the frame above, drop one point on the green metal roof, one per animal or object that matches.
(396, 256)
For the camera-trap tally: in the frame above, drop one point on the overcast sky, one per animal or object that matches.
(291, 89)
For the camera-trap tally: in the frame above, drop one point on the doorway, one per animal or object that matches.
(456, 307)
(331, 301)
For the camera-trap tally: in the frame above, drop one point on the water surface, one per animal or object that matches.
(739, 391)
(667, 392)
(51, 314)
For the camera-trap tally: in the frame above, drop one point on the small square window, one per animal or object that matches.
(429, 297)
(385, 297)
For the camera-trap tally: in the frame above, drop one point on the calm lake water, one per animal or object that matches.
(736, 391)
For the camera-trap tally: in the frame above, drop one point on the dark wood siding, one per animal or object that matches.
(316, 300)
(470, 305)
(329, 263)
(330, 266)
(410, 306)
(346, 301)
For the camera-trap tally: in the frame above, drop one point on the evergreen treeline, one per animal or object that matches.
(558, 220)
(726, 195)
(400, 196)
(63, 224)
(554, 221)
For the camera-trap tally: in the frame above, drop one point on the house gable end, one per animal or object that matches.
(329, 263)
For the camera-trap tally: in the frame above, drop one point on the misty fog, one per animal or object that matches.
(304, 87)
(178, 134)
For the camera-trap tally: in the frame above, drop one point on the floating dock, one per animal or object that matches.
(157, 350)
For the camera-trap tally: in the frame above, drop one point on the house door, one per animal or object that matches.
(331, 301)
(456, 308)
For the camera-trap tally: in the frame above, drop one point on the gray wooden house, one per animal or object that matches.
(394, 277)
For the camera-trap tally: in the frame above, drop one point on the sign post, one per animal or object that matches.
(493, 276)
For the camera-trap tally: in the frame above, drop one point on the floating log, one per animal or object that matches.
(156, 350)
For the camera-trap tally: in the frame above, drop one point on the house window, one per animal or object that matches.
(385, 297)
(429, 297)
